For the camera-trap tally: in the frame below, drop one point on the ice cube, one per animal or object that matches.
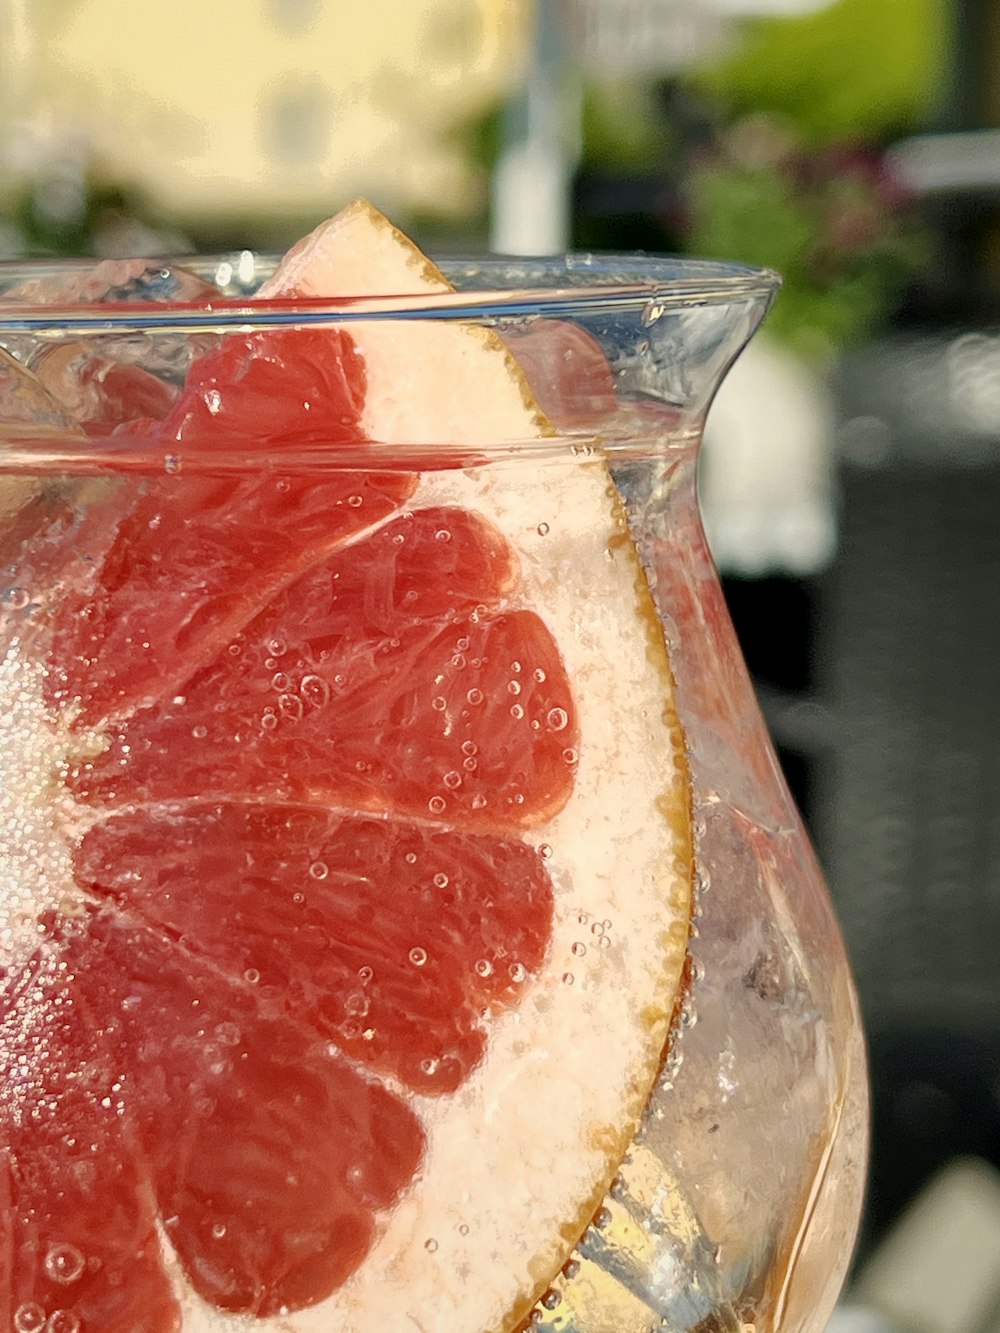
(27, 408)
(98, 383)
(568, 372)
(109, 280)
(101, 392)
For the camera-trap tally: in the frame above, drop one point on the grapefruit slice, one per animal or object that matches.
(347, 889)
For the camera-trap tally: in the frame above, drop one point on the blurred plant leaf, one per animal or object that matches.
(624, 126)
(860, 67)
(832, 222)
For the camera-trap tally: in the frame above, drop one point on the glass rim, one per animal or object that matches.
(569, 285)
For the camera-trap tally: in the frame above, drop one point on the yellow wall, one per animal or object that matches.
(232, 107)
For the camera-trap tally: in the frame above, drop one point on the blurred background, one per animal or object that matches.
(852, 466)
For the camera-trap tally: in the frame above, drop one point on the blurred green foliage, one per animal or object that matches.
(793, 176)
(831, 221)
(623, 126)
(860, 68)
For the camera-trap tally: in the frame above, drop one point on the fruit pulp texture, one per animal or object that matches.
(226, 928)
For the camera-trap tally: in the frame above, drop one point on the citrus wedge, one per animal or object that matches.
(364, 883)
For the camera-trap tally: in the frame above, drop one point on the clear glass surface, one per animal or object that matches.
(735, 1204)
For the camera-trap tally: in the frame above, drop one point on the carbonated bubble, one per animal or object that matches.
(314, 691)
(64, 1263)
(291, 705)
(62, 1321)
(29, 1318)
(418, 956)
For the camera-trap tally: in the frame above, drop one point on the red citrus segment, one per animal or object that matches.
(398, 637)
(296, 386)
(81, 1215)
(146, 1084)
(194, 558)
(271, 1153)
(190, 562)
(391, 940)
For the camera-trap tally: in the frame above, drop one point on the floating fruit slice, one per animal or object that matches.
(348, 883)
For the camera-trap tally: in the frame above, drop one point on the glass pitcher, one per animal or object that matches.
(405, 922)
